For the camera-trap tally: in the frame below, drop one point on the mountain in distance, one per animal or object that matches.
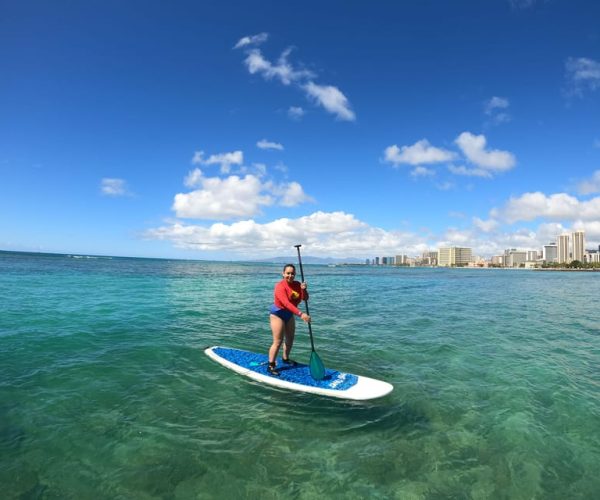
(308, 259)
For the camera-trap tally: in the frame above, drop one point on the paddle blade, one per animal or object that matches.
(317, 369)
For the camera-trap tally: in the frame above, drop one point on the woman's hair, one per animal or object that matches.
(289, 265)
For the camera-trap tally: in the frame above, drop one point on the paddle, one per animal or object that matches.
(317, 369)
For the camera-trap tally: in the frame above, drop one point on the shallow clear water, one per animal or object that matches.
(105, 391)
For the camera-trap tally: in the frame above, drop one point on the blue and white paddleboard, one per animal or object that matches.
(297, 378)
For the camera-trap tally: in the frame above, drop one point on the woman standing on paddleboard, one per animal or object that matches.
(288, 294)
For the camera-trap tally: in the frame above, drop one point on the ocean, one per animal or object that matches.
(105, 392)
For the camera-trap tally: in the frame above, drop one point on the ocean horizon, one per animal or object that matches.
(105, 391)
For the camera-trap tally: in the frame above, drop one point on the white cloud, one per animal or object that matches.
(582, 74)
(292, 194)
(282, 70)
(329, 97)
(421, 152)
(251, 40)
(469, 172)
(264, 144)
(296, 112)
(556, 207)
(332, 99)
(335, 234)
(340, 234)
(473, 147)
(422, 172)
(198, 158)
(485, 225)
(225, 160)
(113, 187)
(495, 103)
(194, 178)
(234, 196)
(592, 230)
(496, 108)
(222, 199)
(590, 186)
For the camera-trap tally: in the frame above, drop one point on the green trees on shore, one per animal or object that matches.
(575, 264)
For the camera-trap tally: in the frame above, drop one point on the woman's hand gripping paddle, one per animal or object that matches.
(317, 369)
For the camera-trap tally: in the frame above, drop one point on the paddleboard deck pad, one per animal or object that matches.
(297, 378)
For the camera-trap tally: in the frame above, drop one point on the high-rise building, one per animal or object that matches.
(516, 258)
(454, 256)
(562, 249)
(549, 253)
(498, 260)
(578, 250)
(429, 258)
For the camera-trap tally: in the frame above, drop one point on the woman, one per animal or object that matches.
(288, 294)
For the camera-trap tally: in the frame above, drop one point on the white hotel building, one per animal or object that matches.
(454, 256)
(578, 247)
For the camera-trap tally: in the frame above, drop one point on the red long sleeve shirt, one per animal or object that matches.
(289, 296)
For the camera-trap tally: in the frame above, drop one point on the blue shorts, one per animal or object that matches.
(284, 314)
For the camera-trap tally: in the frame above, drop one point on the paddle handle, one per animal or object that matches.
(312, 343)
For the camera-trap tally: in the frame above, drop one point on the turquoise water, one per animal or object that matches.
(105, 391)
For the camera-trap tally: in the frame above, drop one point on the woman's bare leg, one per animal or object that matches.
(277, 329)
(290, 332)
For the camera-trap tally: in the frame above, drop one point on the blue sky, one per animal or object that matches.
(219, 130)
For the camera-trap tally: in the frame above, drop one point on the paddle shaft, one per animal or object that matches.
(312, 343)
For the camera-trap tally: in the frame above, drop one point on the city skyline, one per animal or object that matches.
(184, 131)
(567, 248)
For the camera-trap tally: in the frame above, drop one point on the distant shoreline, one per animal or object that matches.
(276, 260)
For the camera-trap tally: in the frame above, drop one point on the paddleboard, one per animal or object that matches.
(335, 384)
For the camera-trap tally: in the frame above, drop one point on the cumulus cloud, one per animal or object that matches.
(194, 178)
(264, 144)
(225, 160)
(582, 74)
(113, 187)
(222, 199)
(557, 207)
(590, 186)
(340, 234)
(486, 163)
(421, 152)
(292, 194)
(329, 97)
(474, 148)
(233, 197)
(336, 234)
